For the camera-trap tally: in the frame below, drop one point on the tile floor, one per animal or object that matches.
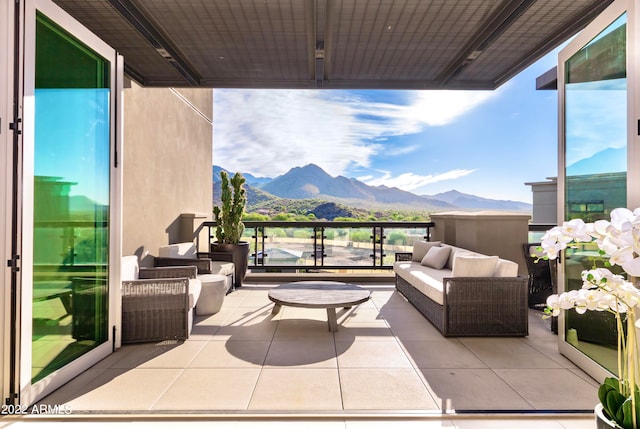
(385, 360)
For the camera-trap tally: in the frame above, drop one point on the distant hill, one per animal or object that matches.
(315, 186)
(251, 179)
(83, 207)
(610, 160)
(312, 181)
(467, 201)
(255, 195)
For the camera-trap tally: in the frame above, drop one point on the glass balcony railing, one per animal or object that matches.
(314, 245)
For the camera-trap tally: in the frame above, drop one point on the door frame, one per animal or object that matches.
(607, 17)
(29, 392)
(8, 50)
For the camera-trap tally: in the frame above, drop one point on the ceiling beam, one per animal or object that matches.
(574, 26)
(143, 25)
(321, 12)
(504, 16)
(310, 26)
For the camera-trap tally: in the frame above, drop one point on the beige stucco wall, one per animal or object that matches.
(545, 201)
(486, 232)
(166, 165)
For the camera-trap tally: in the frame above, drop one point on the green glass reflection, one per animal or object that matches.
(595, 168)
(71, 199)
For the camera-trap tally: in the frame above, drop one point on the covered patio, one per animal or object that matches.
(244, 366)
(385, 361)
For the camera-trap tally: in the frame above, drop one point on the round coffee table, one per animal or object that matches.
(319, 294)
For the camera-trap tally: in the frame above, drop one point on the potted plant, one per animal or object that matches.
(229, 226)
(618, 242)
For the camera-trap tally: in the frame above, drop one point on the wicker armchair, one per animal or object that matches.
(540, 277)
(207, 263)
(158, 305)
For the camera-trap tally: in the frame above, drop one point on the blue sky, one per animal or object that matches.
(486, 143)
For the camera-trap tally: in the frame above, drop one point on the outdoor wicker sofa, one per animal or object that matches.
(472, 301)
(157, 303)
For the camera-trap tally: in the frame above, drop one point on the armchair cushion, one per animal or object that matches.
(195, 289)
(129, 269)
(421, 247)
(178, 250)
(436, 257)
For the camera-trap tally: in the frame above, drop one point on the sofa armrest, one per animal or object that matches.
(494, 305)
(203, 265)
(217, 256)
(155, 286)
(498, 290)
(155, 309)
(173, 272)
(403, 256)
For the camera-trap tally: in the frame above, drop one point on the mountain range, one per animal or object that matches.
(313, 183)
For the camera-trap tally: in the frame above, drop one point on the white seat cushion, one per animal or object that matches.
(426, 280)
(195, 287)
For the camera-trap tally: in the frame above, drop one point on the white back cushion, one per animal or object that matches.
(474, 266)
(421, 247)
(178, 250)
(129, 269)
(506, 268)
(436, 257)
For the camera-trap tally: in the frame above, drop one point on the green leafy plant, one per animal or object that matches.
(229, 218)
(616, 405)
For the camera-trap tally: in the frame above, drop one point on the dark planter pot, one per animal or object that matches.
(602, 422)
(240, 258)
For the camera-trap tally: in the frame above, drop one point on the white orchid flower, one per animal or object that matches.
(598, 228)
(632, 267)
(576, 229)
(635, 234)
(622, 257)
(553, 303)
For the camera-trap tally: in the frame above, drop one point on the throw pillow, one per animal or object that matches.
(421, 247)
(436, 257)
(506, 268)
(474, 266)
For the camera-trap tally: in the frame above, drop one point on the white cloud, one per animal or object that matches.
(412, 181)
(266, 132)
(402, 150)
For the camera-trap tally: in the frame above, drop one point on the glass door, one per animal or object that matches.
(68, 239)
(594, 158)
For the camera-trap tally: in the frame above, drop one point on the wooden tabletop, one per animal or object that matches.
(319, 294)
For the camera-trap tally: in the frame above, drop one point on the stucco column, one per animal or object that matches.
(486, 232)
